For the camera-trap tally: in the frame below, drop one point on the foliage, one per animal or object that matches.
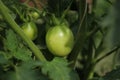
(16, 49)
(113, 75)
(95, 54)
(59, 68)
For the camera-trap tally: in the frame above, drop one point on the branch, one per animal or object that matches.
(82, 19)
(107, 54)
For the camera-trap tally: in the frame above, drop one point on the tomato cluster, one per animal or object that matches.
(59, 37)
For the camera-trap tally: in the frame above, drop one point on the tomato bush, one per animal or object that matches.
(37, 41)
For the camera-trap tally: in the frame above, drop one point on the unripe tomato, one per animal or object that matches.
(30, 30)
(35, 14)
(60, 40)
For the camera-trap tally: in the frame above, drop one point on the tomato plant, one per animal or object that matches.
(51, 51)
(60, 40)
(30, 30)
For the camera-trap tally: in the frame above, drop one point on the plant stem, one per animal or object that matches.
(81, 35)
(107, 54)
(83, 17)
(91, 73)
(66, 10)
(88, 69)
(4, 11)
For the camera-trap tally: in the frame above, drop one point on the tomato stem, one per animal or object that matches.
(66, 10)
(5, 12)
(55, 20)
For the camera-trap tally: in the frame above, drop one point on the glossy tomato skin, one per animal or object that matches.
(30, 30)
(60, 40)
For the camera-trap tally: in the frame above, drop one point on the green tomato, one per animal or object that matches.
(60, 40)
(30, 30)
(35, 15)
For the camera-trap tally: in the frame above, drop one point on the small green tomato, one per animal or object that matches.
(30, 30)
(35, 15)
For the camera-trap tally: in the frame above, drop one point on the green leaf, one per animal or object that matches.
(74, 75)
(102, 7)
(23, 54)
(16, 48)
(116, 28)
(26, 71)
(111, 23)
(113, 75)
(3, 60)
(58, 69)
(11, 41)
